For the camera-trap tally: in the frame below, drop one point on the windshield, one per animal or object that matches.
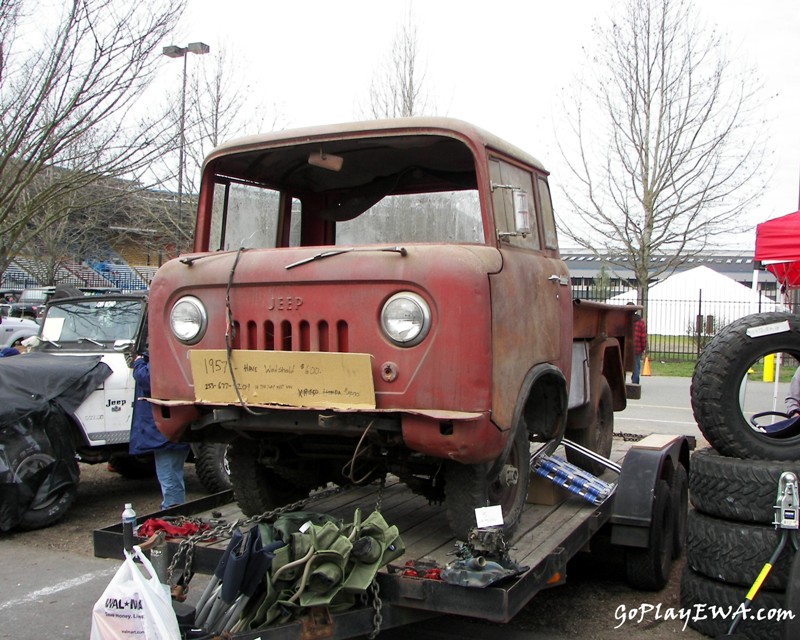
(33, 295)
(93, 321)
(394, 190)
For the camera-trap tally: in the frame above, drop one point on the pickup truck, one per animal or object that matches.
(382, 297)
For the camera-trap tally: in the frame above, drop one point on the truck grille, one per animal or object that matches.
(286, 335)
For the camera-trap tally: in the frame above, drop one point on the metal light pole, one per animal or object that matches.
(173, 51)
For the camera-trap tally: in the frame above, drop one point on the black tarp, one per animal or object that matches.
(37, 391)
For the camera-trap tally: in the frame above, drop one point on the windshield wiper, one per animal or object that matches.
(39, 341)
(92, 340)
(335, 252)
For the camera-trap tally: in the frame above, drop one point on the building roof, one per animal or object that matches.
(738, 265)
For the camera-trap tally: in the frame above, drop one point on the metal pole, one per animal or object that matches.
(182, 150)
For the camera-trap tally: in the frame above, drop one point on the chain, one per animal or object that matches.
(381, 488)
(186, 547)
(377, 620)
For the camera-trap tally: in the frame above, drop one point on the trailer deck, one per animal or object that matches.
(547, 537)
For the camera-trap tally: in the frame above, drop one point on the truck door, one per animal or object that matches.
(526, 308)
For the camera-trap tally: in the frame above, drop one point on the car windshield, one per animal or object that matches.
(93, 321)
(399, 189)
(33, 296)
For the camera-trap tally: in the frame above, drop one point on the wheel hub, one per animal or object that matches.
(509, 475)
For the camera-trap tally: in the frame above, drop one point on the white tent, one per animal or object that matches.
(675, 303)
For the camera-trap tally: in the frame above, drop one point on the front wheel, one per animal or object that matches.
(468, 487)
(212, 466)
(257, 488)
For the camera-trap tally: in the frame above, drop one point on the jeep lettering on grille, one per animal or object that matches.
(282, 303)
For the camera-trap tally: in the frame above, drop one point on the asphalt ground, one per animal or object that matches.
(50, 593)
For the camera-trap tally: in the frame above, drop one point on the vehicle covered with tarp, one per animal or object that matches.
(71, 400)
(38, 468)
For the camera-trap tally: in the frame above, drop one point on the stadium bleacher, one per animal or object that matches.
(26, 272)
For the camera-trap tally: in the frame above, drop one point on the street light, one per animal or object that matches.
(173, 51)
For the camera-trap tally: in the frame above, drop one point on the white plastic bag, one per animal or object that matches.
(134, 607)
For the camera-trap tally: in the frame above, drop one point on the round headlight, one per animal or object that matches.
(188, 320)
(406, 319)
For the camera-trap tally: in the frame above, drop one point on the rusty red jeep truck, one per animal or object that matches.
(382, 297)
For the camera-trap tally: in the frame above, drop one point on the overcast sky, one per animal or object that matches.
(502, 64)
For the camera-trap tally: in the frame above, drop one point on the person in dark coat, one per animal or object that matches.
(170, 457)
(639, 345)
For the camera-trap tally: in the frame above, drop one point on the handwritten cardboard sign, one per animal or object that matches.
(296, 379)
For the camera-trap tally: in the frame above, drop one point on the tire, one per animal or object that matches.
(699, 594)
(598, 435)
(735, 489)
(257, 488)
(467, 487)
(719, 374)
(45, 511)
(680, 507)
(212, 467)
(735, 552)
(648, 568)
(134, 467)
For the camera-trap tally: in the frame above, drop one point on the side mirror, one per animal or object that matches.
(522, 216)
(121, 346)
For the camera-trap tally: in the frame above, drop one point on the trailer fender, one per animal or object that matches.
(654, 458)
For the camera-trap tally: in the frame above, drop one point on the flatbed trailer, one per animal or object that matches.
(548, 536)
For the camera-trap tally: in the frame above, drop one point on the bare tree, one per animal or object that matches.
(397, 87)
(69, 101)
(666, 155)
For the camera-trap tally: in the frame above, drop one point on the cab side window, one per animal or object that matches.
(548, 219)
(506, 179)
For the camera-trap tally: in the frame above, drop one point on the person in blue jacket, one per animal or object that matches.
(170, 457)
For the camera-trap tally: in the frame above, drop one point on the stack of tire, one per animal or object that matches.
(733, 486)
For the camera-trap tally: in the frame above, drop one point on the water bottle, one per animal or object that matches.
(128, 526)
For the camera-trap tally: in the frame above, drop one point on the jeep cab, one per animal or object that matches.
(371, 298)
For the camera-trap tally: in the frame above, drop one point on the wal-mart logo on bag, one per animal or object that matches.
(120, 604)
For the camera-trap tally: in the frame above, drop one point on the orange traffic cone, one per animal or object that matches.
(646, 366)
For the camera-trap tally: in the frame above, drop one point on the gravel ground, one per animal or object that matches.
(587, 606)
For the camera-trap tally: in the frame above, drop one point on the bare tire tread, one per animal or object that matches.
(735, 489)
(719, 371)
(699, 593)
(735, 552)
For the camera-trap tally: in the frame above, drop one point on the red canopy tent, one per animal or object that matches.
(778, 248)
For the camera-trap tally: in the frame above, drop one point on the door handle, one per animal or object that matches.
(557, 279)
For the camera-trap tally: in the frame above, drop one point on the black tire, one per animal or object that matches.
(212, 467)
(735, 489)
(467, 487)
(134, 467)
(718, 376)
(598, 436)
(256, 488)
(680, 507)
(46, 510)
(735, 552)
(648, 568)
(700, 594)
